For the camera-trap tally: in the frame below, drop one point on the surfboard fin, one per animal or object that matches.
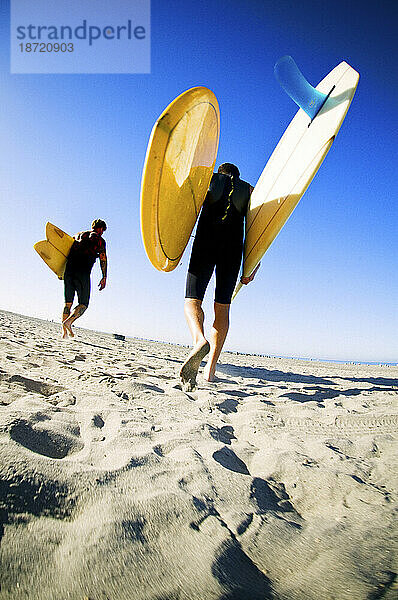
(298, 88)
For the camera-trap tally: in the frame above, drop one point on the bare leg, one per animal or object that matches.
(67, 324)
(65, 315)
(217, 338)
(195, 318)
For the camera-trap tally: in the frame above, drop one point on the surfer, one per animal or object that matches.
(87, 247)
(218, 245)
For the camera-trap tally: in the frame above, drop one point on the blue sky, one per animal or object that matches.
(73, 148)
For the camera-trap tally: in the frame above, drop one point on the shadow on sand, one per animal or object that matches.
(271, 376)
(276, 376)
(322, 394)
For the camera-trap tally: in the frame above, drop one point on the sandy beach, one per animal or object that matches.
(278, 481)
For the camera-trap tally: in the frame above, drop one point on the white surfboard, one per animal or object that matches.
(294, 163)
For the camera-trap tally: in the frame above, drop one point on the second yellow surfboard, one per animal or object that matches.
(55, 249)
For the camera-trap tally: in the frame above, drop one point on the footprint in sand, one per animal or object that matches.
(239, 575)
(236, 393)
(48, 434)
(222, 434)
(168, 377)
(228, 406)
(269, 495)
(98, 421)
(17, 386)
(63, 399)
(37, 495)
(93, 430)
(130, 390)
(229, 460)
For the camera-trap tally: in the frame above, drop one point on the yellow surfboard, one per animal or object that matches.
(178, 167)
(55, 249)
(294, 163)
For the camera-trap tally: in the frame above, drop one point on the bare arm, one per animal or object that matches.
(246, 280)
(104, 267)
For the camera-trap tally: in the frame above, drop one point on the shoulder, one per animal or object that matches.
(248, 185)
(98, 241)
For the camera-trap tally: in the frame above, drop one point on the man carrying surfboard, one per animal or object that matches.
(218, 245)
(87, 247)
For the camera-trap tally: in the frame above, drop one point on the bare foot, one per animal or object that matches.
(190, 368)
(68, 327)
(207, 375)
(64, 332)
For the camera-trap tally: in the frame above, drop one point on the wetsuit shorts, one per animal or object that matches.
(75, 282)
(210, 251)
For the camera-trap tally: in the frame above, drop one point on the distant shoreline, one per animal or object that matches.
(235, 352)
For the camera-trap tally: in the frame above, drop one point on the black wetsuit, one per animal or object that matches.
(87, 247)
(219, 238)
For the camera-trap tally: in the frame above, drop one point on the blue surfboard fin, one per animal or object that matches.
(297, 87)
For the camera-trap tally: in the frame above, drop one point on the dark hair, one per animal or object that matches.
(229, 169)
(98, 223)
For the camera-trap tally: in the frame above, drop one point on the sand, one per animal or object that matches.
(278, 481)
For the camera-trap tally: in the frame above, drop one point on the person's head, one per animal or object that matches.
(229, 169)
(99, 226)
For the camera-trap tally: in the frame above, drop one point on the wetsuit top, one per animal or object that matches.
(225, 203)
(86, 248)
